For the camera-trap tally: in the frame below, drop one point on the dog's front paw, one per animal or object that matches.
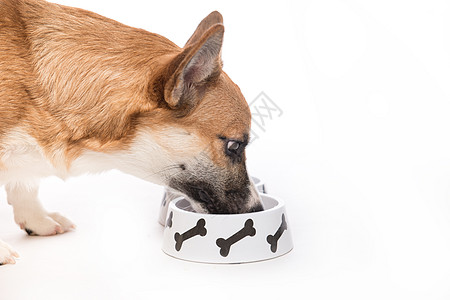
(7, 254)
(45, 224)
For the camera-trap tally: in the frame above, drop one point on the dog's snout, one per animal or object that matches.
(208, 197)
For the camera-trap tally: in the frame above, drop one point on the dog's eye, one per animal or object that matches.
(233, 146)
(234, 150)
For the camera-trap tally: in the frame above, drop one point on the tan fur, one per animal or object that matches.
(75, 80)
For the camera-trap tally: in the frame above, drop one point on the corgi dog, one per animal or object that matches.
(83, 93)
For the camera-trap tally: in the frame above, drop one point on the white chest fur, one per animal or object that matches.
(23, 160)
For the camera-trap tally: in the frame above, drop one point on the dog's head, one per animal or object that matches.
(204, 126)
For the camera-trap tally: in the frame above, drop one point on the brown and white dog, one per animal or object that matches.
(82, 93)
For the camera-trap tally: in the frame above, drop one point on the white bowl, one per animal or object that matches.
(236, 238)
(260, 185)
(169, 196)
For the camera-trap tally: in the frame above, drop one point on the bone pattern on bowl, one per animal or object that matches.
(198, 229)
(235, 238)
(225, 244)
(273, 239)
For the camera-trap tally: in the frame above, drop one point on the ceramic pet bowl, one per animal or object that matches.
(169, 196)
(234, 238)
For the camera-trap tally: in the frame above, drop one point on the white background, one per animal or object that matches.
(361, 155)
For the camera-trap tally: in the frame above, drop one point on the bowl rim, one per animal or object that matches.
(280, 204)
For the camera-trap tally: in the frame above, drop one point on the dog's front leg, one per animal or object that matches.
(29, 213)
(7, 254)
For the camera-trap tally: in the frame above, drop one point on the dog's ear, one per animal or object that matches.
(212, 19)
(191, 70)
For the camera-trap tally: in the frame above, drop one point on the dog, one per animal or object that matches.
(83, 93)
